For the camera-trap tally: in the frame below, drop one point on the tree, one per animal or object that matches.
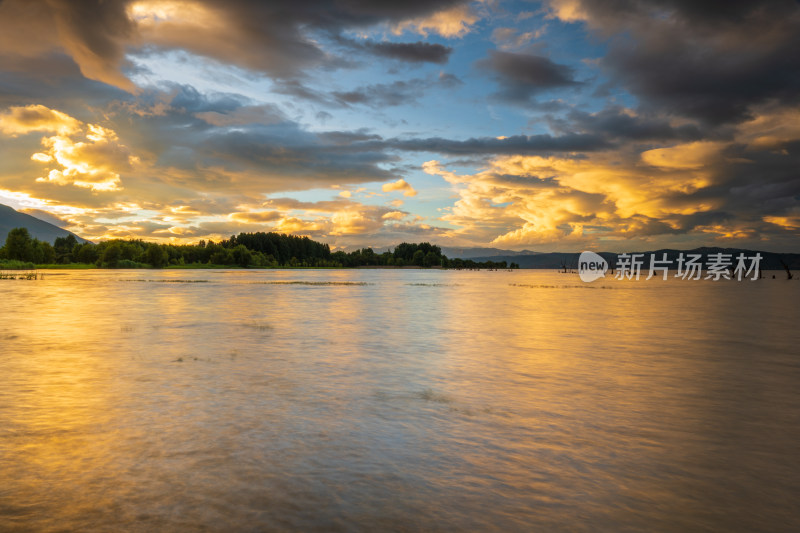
(85, 253)
(112, 255)
(156, 256)
(418, 258)
(430, 259)
(242, 256)
(43, 252)
(19, 245)
(222, 257)
(63, 247)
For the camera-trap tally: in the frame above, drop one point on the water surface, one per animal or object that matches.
(397, 400)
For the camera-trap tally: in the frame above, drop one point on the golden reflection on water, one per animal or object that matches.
(396, 400)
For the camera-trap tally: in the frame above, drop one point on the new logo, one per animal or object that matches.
(591, 266)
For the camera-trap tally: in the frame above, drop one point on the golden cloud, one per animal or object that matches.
(449, 23)
(257, 216)
(567, 10)
(400, 185)
(684, 156)
(37, 118)
(93, 163)
(523, 200)
(394, 215)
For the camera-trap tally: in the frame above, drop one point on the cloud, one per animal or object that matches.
(257, 216)
(696, 142)
(19, 120)
(618, 123)
(261, 114)
(516, 144)
(46, 216)
(394, 215)
(280, 39)
(399, 185)
(92, 162)
(454, 22)
(340, 221)
(417, 52)
(382, 94)
(396, 93)
(747, 54)
(694, 155)
(93, 33)
(512, 38)
(213, 143)
(521, 76)
(634, 196)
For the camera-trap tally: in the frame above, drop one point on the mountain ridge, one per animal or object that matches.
(559, 260)
(10, 218)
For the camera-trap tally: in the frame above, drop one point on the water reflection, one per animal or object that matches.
(397, 400)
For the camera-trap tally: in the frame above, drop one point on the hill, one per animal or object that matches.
(557, 260)
(44, 231)
(472, 253)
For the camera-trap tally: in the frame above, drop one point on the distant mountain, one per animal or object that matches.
(557, 260)
(485, 253)
(44, 231)
(454, 253)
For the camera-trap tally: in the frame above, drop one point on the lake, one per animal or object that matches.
(397, 400)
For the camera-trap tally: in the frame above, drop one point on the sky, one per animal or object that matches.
(560, 125)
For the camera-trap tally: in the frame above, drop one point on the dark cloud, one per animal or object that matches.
(517, 144)
(347, 137)
(47, 217)
(209, 139)
(616, 123)
(323, 116)
(53, 80)
(397, 93)
(418, 52)
(384, 94)
(93, 32)
(713, 61)
(521, 76)
(297, 159)
(277, 38)
(298, 89)
(744, 202)
(713, 13)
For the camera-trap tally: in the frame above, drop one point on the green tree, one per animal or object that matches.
(156, 256)
(112, 255)
(222, 257)
(63, 247)
(86, 253)
(418, 258)
(242, 256)
(431, 259)
(19, 245)
(43, 252)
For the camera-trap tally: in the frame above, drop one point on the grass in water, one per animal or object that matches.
(167, 280)
(560, 286)
(431, 396)
(433, 284)
(313, 283)
(68, 266)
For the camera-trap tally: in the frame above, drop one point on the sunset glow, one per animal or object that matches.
(551, 125)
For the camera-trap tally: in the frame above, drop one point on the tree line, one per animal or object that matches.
(247, 250)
